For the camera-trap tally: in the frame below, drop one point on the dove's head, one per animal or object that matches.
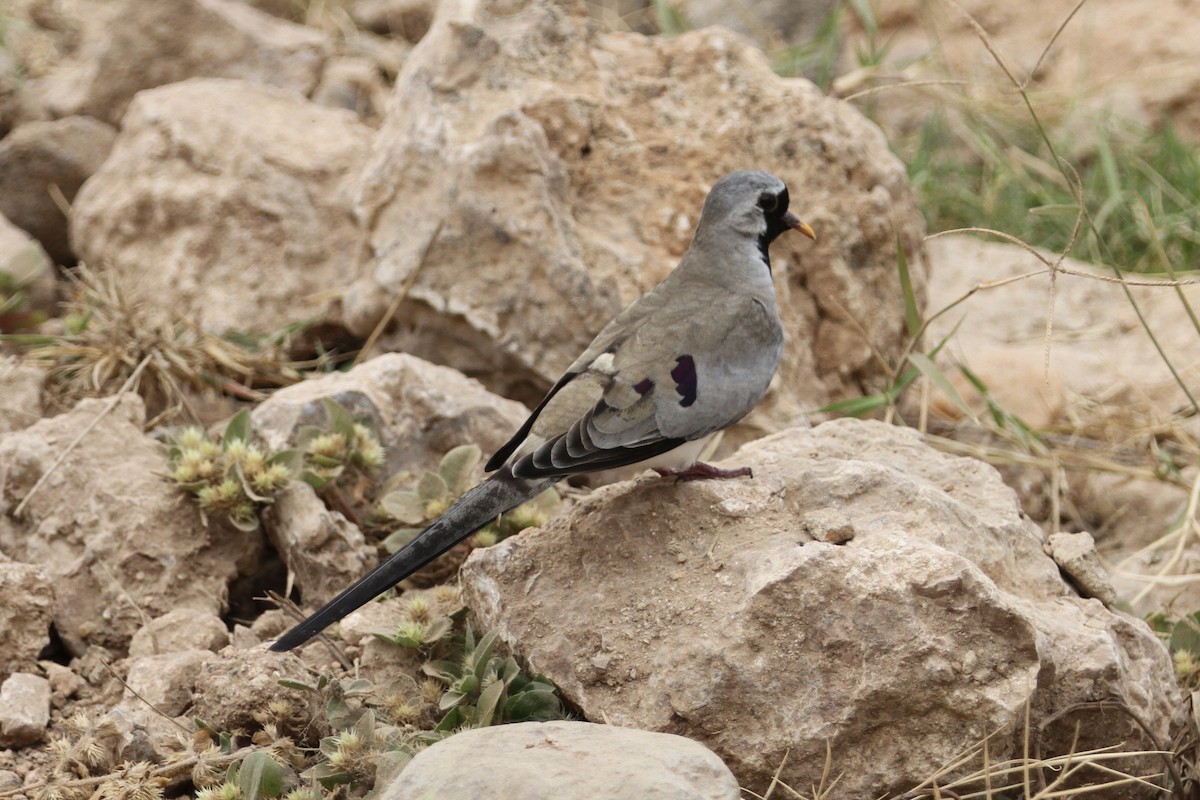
(751, 203)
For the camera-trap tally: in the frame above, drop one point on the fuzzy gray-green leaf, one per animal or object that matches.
(458, 468)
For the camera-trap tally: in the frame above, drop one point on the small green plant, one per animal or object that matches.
(15, 313)
(434, 492)
(1182, 637)
(484, 688)
(464, 684)
(351, 755)
(232, 477)
(331, 454)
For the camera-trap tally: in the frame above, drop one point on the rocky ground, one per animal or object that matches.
(208, 206)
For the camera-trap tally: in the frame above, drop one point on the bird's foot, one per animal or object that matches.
(702, 471)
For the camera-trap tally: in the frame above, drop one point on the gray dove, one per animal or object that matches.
(690, 357)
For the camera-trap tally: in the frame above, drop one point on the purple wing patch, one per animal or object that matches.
(643, 386)
(684, 376)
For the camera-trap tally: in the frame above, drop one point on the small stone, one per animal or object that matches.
(1076, 556)
(178, 630)
(24, 709)
(64, 683)
(166, 681)
(829, 525)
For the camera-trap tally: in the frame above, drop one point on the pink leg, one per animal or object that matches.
(702, 471)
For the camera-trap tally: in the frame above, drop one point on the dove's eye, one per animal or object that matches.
(768, 202)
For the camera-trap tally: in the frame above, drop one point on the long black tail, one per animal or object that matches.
(498, 494)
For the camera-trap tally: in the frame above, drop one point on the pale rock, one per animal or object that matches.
(272, 166)
(267, 626)
(118, 542)
(64, 683)
(243, 638)
(26, 603)
(354, 84)
(324, 552)
(534, 175)
(164, 681)
(145, 45)
(358, 627)
(404, 19)
(20, 393)
(139, 733)
(740, 631)
(39, 158)
(24, 709)
(1076, 556)
(9, 780)
(552, 760)
(25, 265)
(234, 688)
(181, 629)
(420, 411)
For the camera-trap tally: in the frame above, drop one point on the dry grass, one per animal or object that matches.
(975, 774)
(108, 334)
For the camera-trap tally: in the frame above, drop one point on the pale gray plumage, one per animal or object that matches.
(687, 359)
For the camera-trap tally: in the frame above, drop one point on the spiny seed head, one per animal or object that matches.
(329, 445)
(235, 451)
(435, 508)
(431, 691)
(190, 437)
(370, 455)
(411, 631)
(254, 461)
(228, 491)
(302, 793)
(418, 609)
(244, 512)
(209, 449)
(349, 741)
(1185, 662)
(446, 594)
(184, 474)
(207, 496)
(226, 791)
(362, 434)
(271, 478)
(280, 707)
(401, 709)
(191, 457)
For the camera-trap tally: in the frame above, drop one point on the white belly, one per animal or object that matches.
(678, 459)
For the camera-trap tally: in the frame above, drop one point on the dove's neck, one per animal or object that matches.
(735, 261)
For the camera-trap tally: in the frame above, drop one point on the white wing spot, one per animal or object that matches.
(604, 364)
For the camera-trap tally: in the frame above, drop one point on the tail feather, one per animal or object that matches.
(476, 508)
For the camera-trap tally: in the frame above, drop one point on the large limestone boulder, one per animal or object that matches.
(535, 174)
(139, 45)
(862, 592)
(119, 543)
(227, 200)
